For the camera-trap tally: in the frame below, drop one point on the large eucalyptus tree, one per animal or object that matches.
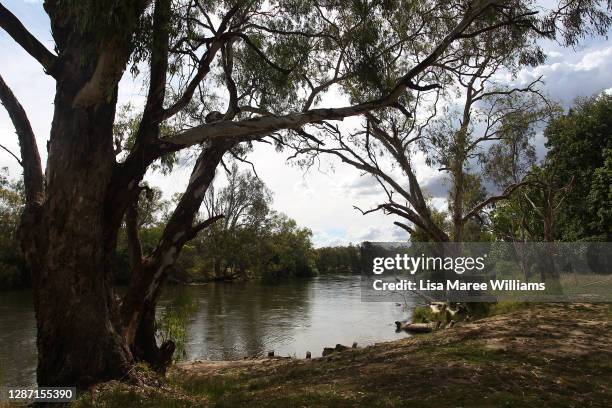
(219, 73)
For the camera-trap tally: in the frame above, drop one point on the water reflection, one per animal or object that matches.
(233, 321)
(249, 319)
(17, 339)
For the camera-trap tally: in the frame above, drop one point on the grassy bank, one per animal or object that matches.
(541, 355)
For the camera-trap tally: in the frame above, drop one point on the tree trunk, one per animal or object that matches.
(77, 319)
(458, 190)
(144, 346)
(138, 305)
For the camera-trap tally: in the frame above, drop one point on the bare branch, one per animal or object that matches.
(205, 224)
(507, 193)
(404, 227)
(12, 154)
(204, 64)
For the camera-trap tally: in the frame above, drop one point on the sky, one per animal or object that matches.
(321, 199)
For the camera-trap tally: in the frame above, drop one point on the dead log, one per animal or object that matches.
(416, 327)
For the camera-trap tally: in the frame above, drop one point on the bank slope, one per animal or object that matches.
(543, 355)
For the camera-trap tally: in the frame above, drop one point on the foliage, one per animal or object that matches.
(173, 322)
(473, 193)
(568, 195)
(125, 131)
(250, 241)
(533, 209)
(343, 259)
(579, 145)
(441, 220)
(599, 200)
(12, 266)
(276, 249)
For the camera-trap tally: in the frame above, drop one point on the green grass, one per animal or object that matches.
(214, 388)
(120, 397)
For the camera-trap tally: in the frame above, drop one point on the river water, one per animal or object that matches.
(234, 320)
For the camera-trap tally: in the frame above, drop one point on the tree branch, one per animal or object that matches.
(133, 236)
(12, 154)
(30, 158)
(265, 125)
(177, 232)
(27, 41)
(405, 227)
(204, 64)
(205, 224)
(507, 193)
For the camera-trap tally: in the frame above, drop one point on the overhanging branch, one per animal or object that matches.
(265, 125)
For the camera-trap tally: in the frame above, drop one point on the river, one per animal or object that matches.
(234, 320)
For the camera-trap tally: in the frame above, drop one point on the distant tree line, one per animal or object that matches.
(338, 259)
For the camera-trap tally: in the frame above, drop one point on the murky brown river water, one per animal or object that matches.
(234, 320)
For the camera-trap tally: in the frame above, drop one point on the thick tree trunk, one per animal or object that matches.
(78, 338)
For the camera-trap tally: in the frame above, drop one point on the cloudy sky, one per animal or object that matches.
(322, 199)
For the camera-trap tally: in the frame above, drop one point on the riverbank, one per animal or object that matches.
(544, 355)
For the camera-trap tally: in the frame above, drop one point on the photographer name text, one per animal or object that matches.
(457, 285)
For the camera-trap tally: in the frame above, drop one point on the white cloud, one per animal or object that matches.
(554, 54)
(364, 185)
(566, 80)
